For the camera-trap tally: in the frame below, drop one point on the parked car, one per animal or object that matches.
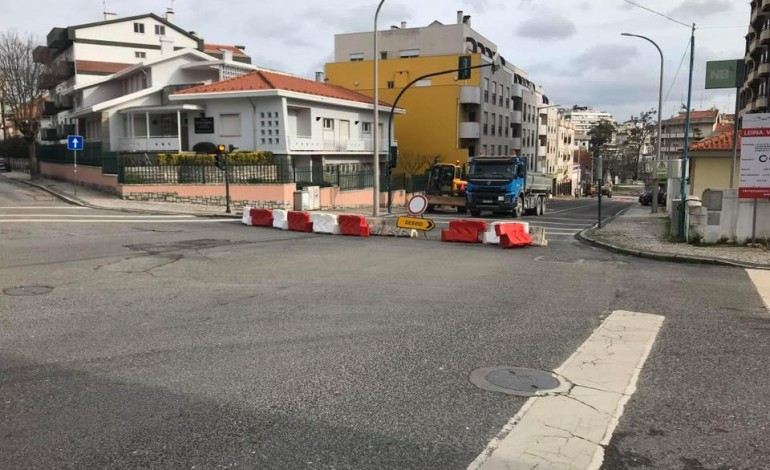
(646, 198)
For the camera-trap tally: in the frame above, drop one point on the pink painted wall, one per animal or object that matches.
(333, 197)
(86, 175)
(273, 192)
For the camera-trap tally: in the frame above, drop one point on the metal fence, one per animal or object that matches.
(91, 154)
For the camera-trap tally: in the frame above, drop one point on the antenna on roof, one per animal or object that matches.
(104, 6)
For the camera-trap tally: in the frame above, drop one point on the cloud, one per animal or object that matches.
(700, 8)
(554, 27)
(604, 57)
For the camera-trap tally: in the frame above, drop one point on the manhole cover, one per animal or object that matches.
(519, 381)
(27, 290)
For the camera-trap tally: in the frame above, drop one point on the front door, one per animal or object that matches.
(344, 134)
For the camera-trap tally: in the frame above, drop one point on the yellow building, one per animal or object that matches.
(710, 164)
(493, 112)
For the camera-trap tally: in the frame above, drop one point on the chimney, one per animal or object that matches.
(110, 16)
(319, 77)
(459, 17)
(169, 16)
(467, 19)
(403, 25)
(227, 55)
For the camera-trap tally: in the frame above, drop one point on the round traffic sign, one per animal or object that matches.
(417, 204)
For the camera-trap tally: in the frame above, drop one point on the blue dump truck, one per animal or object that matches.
(503, 185)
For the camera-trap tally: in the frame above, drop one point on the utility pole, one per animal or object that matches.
(683, 188)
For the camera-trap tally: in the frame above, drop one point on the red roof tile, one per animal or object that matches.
(264, 80)
(215, 48)
(97, 67)
(705, 115)
(720, 142)
(723, 127)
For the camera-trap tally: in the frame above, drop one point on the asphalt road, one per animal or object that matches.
(155, 342)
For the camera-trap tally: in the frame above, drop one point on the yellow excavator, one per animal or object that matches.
(446, 185)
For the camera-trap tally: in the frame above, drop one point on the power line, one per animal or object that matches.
(656, 12)
(722, 27)
(679, 69)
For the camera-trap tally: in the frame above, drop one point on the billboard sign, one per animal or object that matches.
(724, 74)
(755, 157)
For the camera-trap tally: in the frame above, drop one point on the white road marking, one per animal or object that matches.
(160, 220)
(569, 431)
(44, 207)
(105, 216)
(761, 280)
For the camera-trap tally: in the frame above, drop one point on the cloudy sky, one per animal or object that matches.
(573, 48)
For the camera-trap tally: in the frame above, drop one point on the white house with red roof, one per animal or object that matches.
(311, 122)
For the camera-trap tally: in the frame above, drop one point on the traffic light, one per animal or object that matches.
(232, 148)
(464, 67)
(219, 158)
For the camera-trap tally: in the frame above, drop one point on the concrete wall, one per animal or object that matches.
(721, 216)
(712, 172)
(332, 198)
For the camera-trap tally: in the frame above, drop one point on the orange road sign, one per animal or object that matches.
(415, 223)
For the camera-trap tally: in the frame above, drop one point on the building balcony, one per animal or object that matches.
(765, 5)
(542, 129)
(470, 130)
(751, 75)
(470, 95)
(516, 117)
(761, 103)
(542, 150)
(517, 143)
(764, 69)
(764, 36)
(518, 89)
(58, 38)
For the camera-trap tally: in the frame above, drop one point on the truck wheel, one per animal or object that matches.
(462, 209)
(539, 206)
(475, 213)
(544, 207)
(519, 207)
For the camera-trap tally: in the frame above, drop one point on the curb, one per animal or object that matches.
(658, 256)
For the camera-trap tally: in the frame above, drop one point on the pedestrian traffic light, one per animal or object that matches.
(464, 67)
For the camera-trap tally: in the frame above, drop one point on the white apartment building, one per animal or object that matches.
(567, 169)
(76, 56)
(703, 124)
(583, 117)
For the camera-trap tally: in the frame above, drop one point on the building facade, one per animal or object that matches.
(584, 117)
(493, 112)
(756, 88)
(703, 124)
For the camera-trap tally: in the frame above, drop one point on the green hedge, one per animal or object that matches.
(236, 158)
(14, 147)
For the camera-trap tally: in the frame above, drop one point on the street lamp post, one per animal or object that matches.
(654, 202)
(375, 143)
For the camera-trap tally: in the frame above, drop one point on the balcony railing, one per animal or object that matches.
(149, 144)
(470, 95)
(516, 117)
(311, 144)
(470, 130)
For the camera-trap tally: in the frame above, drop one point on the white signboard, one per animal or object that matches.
(755, 157)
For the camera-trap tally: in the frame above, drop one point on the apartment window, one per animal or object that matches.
(494, 92)
(506, 150)
(409, 53)
(230, 125)
(140, 55)
(139, 28)
(357, 57)
(160, 30)
(483, 149)
(507, 127)
(499, 149)
(383, 55)
(486, 122)
(472, 116)
(494, 118)
(486, 90)
(328, 124)
(501, 94)
(391, 84)
(366, 127)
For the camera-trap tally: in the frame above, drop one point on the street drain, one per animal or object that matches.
(519, 381)
(27, 290)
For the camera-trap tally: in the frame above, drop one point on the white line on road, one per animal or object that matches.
(103, 216)
(159, 220)
(761, 280)
(570, 431)
(44, 207)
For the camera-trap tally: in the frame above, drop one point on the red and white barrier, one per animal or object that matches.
(262, 217)
(353, 225)
(325, 223)
(512, 235)
(299, 221)
(490, 237)
(246, 219)
(280, 219)
(464, 230)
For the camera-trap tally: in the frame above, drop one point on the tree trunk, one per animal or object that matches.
(34, 170)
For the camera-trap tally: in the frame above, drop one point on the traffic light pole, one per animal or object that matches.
(227, 183)
(388, 167)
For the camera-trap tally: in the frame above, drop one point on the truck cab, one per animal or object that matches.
(503, 185)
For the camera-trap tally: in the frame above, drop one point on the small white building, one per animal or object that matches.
(310, 122)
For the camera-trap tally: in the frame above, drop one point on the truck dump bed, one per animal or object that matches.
(538, 182)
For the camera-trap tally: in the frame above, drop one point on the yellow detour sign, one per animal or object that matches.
(415, 223)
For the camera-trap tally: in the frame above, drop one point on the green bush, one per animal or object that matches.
(14, 147)
(133, 179)
(236, 158)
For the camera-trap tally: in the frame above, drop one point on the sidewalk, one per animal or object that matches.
(635, 231)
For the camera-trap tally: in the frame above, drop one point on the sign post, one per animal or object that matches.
(416, 207)
(754, 180)
(75, 143)
(728, 74)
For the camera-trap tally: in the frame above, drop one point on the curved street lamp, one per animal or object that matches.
(654, 202)
(375, 146)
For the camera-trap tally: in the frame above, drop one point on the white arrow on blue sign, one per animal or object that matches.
(74, 142)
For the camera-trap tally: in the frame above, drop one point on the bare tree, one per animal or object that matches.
(19, 77)
(415, 164)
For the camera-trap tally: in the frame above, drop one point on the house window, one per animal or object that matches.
(139, 28)
(328, 124)
(160, 30)
(409, 53)
(383, 55)
(140, 55)
(263, 140)
(230, 125)
(262, 115)
(391, 84)
(357, 57)
(366, 127)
